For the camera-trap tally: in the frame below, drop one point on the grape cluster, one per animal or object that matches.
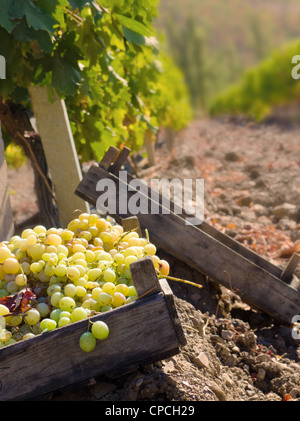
(74, 273)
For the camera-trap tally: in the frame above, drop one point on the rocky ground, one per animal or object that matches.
(252, 193)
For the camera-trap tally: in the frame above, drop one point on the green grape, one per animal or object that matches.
(70, 290)
(60, 270)
(36, 267)
(109, 287)
(28, 335)
(37, 251)
(67, 235)
(39, 229)
(61, 249)
(105, 308)
(16, 320)
(123, 288)
(150, 249)
(90, 256)
(109, 275)
(3, 310)
(95, 292)
(104, 256)
(130, 259)
(76, 256)
(118, 258)
(78, 248)
(53, 240)
(67, 304)
(73, 273)
(12, 287)
(78, 313)
(49, 270)
(5, 335)
(90, 304)
(48, 324)
(11, 265)
(64, 321)
(65, 313)
(80, 282)
(55, 298)
(5, 253)
(118, 299)
(104, 299)
(80, 291)
(32, 316)
(32, 239)
(94, 274)
(132, 291)
(100, 330)
(53, 288)
(55, 314)
(43, 277)
(87, 342)
(43, 309)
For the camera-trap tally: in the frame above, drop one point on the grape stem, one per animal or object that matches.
(172, 278)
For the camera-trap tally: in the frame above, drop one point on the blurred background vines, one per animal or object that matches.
(214, 42)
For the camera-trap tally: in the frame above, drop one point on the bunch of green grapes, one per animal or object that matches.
(74, 273)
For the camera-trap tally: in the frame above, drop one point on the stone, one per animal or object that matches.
(284, 210)
(227, 335)
(261, 373)
(201, 360)
(232, 156)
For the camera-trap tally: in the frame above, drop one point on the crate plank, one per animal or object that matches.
(254, 279)
(50, 361)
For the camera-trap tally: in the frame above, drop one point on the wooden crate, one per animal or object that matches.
(141, 332)
(258, 282)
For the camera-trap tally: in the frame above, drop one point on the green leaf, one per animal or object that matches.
(5, 18)
(65, 77)
(35, 17)
(132, 36)
(23, 33)
(134, 25)
(79, 4)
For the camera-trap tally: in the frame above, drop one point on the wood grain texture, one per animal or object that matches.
(53, 360)
(6, 216)
(256, 280)
(145, 278)
(109, 157)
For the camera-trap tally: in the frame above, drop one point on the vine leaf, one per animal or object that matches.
(134, 25)
(19, 302)
(34, 16)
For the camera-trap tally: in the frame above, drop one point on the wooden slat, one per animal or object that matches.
(6, 216)
(144, 277)
(54, 128)
(131, 223)
(290, 268)
(108, 158)
(120, 160)
(169, 297)
(255, 284)
(53, 360)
